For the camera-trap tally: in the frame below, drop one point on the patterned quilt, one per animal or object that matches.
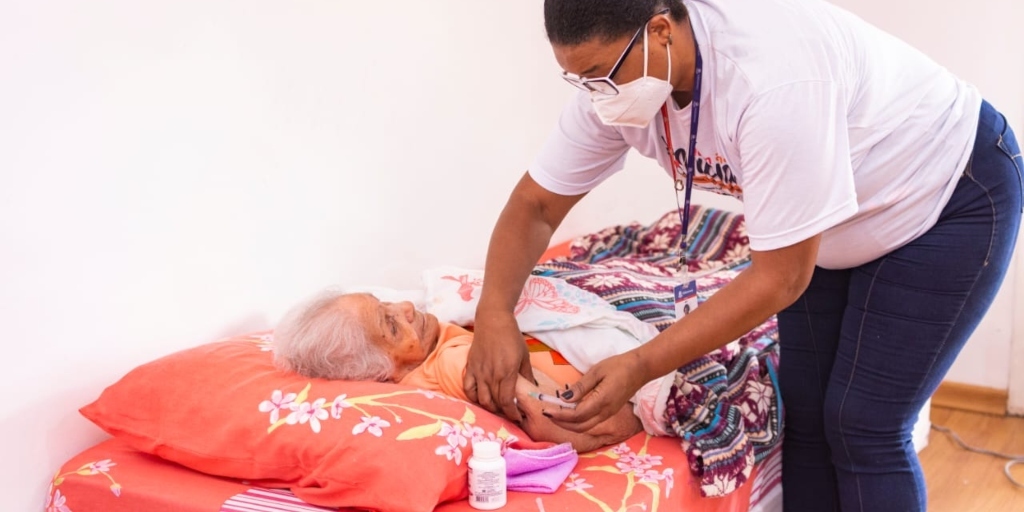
(726, 405)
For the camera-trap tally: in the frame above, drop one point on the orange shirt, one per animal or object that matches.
(443, 369)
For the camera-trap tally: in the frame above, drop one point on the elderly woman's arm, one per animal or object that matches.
(450, 363)
(620, 427)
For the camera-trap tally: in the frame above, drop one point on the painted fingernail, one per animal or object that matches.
(546, 414)
(567, 395)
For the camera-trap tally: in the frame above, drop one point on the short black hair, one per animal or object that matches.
(571, 22)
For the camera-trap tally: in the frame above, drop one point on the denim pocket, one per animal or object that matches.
(1008, 144)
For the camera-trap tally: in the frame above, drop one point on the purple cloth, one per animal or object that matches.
(540, 471)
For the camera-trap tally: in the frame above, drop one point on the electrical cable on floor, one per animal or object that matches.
(1014, 459)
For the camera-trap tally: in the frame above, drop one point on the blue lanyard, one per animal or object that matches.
(691, 162)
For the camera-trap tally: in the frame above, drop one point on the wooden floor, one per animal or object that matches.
(961, 481)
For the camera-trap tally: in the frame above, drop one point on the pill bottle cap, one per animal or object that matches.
(487, 449)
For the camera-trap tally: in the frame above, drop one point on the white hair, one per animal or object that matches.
(320, 340)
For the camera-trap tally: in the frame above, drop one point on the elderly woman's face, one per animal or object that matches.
(407, 335)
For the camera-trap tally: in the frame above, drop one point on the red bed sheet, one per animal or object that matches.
(113, 477)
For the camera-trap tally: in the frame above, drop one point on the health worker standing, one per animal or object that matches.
(882, 198)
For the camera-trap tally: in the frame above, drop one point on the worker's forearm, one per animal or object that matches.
(520, 236)
(735, 310)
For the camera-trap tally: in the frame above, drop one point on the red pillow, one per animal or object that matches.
(563, 249)
(224, 409)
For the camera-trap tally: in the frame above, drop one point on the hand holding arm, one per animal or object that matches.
(774, 280)
(498, 355)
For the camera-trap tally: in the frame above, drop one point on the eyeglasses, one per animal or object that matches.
(604, 84)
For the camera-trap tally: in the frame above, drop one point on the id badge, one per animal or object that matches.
(686, 298)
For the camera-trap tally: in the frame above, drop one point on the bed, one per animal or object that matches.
(284, 443)
(147, 483)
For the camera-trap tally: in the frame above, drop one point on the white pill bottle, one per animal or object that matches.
(487, 476)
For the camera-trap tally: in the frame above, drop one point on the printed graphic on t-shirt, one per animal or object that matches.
(712, 173)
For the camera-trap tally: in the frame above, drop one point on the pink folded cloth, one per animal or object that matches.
(540, 471)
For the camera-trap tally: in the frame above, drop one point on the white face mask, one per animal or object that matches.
(637, 102)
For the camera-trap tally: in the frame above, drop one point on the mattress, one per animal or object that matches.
(113, 477)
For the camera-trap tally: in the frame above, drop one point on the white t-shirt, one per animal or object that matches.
(818, 121)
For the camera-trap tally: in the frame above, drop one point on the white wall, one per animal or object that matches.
(175, 171)
(1016, 402)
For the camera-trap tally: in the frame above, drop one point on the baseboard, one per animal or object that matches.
(967, 397)
(923, 427)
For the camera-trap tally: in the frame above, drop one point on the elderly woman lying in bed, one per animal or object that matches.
(357, 337)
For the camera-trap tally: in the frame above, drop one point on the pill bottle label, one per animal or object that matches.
(486, 488)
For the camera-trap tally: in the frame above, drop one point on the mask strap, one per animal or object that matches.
(668, 53)
(646, 55)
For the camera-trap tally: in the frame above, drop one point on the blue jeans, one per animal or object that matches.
(864, 348)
